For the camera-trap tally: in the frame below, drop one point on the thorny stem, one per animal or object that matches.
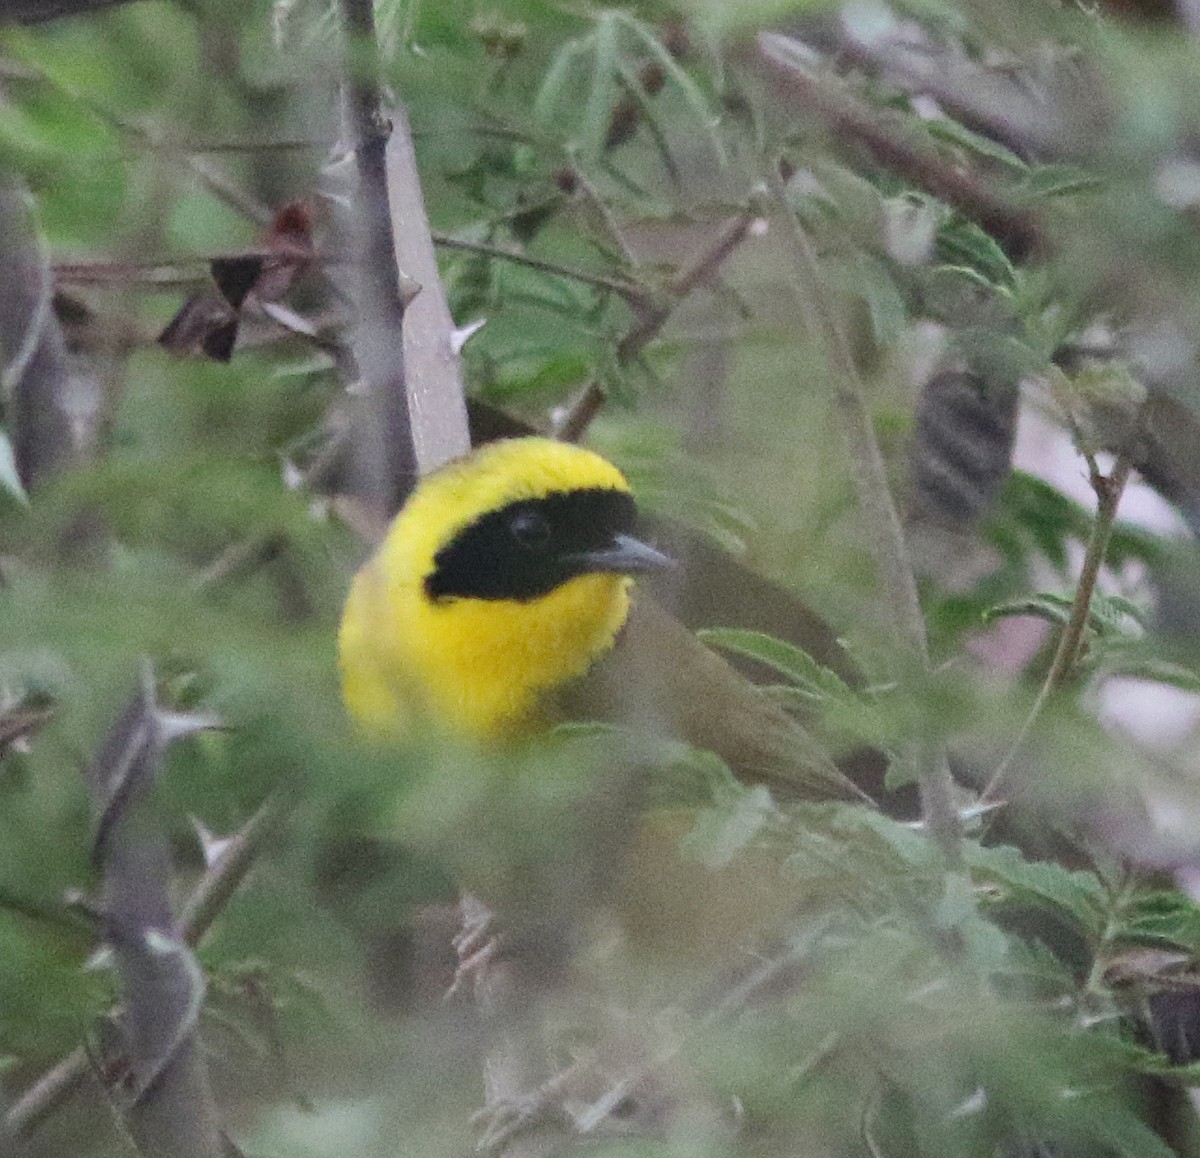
(211, 894)
(884, 531)
(216, 887)
(1109, 490)
(387, 460)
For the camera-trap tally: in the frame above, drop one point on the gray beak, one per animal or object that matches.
(625, 555)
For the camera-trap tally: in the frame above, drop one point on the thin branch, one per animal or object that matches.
(195, 270)
(168, 274)
(1109, 490)
(53, 1088)
(866, 461)
(604, 216)
(216, 887)
(653, 315)
(215, 179)
(260, 145)
(510, 1111)
(240, 558)
(884, 532)
(626, 289)
(701, 270)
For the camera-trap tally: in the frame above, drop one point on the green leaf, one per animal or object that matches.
(961, 242)
(549, 104)
(721, 833)
(785, 658)
(1054, 609)
(701, 107)
(1110, 617)
(1114, 618)
(603, 92)
(1164, 917)
(957, 134)
(1079, 894)
(1061, 181)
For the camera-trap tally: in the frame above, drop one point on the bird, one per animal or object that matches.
(502, 600)
(506, 575)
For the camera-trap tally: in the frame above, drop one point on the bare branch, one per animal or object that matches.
(891, 144)
(652, 316)
(1109, 489)
(625, 289)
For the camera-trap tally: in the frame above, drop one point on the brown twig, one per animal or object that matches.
(1109, 489)
(652, 315)
(891, 144)
(169, 275)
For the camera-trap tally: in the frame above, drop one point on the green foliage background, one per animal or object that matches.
(1000, 1007)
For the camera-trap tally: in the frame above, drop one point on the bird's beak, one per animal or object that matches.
(625, 555)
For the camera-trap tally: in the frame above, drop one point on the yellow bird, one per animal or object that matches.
(505, 576)
(494, 605)
(502, 600)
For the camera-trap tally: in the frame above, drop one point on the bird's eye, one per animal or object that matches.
(529, 528)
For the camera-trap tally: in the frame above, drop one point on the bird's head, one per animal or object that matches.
(506, 574)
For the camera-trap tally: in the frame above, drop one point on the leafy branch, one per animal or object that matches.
(884, 531)
(1109, 489)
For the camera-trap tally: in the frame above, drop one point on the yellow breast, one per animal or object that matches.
(479, 668)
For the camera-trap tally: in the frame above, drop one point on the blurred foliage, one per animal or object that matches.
(1041, 997)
